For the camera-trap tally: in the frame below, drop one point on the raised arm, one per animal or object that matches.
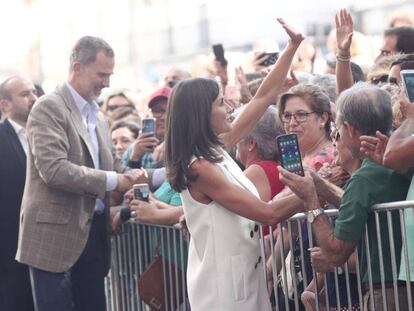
(344, 32)
(267, 92)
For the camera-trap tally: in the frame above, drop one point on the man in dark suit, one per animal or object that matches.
(17, 96)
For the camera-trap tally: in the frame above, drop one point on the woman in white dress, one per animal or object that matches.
(220, 204)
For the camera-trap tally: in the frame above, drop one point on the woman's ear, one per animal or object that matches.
(252, 144)
(324, 118)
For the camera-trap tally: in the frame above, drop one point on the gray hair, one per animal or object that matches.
(265, 132)
(367, 108)
(87, 47)
(327, 82)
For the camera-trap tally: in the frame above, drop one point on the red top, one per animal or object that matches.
(272, 174)
(270, 168)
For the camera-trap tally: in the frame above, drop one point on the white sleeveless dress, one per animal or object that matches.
(225, 267)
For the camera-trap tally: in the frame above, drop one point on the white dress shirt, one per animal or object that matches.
(21, 134)
(89, 113)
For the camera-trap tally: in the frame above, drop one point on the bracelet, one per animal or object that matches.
(134, 164)
(342, 58)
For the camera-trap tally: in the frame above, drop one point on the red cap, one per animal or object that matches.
(162, 93)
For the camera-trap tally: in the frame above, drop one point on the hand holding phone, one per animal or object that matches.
(407, 78)
(148, 125)
(289, 153)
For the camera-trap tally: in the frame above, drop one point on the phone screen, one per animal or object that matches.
(289, 153)
(148, 125)
(408, 78)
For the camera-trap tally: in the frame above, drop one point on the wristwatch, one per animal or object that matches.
(312, 214)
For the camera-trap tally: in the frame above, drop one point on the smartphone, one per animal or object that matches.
(407, 78)
(270, 60)
(218, 51)
(289, 153)
(141, 192)
(148, 125)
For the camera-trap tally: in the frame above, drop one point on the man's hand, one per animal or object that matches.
(374, 147)
(131, 177)
(319, 261)
(344, 32)
(407, 108)
(303, 187)
(145, 142)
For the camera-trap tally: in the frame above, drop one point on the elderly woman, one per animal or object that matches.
(258, 153)
(306, 111)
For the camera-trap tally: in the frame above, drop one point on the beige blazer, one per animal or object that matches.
(61, 183)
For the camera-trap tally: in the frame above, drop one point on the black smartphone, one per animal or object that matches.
(218, 51)
(289, 153)
(148, 125)
(407, 78)
(270, 60)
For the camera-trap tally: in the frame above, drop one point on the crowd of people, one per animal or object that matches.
(68, 166)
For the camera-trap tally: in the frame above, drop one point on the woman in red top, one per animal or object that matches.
(258, 153)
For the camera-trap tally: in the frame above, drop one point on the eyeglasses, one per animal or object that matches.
(158, 112)
(300, 116)
(114, 107)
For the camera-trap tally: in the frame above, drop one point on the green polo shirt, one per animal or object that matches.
(371, 184)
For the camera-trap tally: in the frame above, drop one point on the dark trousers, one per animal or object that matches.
(15, 290)
(82, 287)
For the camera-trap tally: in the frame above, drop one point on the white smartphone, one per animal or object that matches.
(407, 78)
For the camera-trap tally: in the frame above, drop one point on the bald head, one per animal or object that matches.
(17, 96)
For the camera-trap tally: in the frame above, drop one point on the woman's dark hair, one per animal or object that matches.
(189, 131)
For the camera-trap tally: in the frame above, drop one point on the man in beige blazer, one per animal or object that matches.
(64, 232)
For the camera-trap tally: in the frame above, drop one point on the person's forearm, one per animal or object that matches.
(335, 251)
(281, 209)
(265, 96)
(399, 152)
(330, 192)
(169, 216)
(344, 79)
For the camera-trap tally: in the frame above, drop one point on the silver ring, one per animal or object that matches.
(133, 214)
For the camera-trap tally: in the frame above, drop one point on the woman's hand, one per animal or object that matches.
(295, 37)
(144, 211)
(344, 32)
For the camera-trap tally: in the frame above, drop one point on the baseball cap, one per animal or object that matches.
(162, 93)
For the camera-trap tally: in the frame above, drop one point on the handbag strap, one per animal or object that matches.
(157, 248)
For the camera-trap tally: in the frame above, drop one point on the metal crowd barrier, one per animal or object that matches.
(132, 252)
(342, 288)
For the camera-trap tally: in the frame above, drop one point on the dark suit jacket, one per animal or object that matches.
(12, 179)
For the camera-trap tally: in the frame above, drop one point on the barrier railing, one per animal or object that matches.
(338, 288)
(132, 252)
